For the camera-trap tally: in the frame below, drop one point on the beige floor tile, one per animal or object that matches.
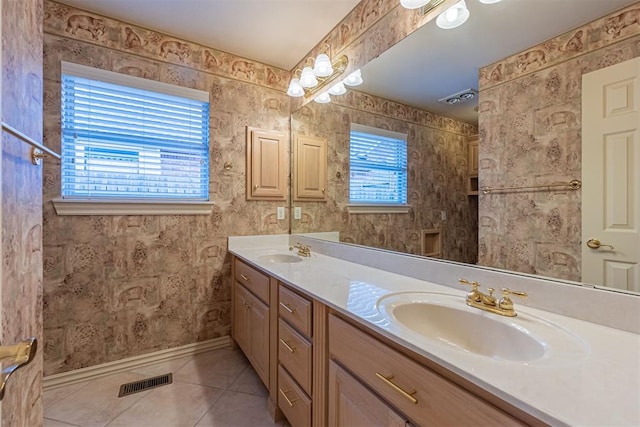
(161, 368)
(53, 423)
(219, 368)
(249, 382)
(51, 396)
(174, 405)
(238, 410)
(97, 403)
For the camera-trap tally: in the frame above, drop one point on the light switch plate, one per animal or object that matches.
(297, 213)
(280, 212)
(443, 215)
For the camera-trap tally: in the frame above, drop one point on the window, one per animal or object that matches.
(377, 170)
(128, 139)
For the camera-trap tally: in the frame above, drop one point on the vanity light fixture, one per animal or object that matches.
(322, 76)
(453, 17)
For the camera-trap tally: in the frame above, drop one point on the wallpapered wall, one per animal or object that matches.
(530, 133)
(20, 209)
(437, 165)
(118, 286)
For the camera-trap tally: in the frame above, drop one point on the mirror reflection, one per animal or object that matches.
(527, 60)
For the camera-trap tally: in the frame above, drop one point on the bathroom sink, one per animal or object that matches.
(446, 320)
(279, 258)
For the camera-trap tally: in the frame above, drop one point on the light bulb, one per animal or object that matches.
(413, 4)
(322, 67)
(353, 79)
(453, 17)
(323, 98)
(489, 1)
(307, 78)
(338, 89)
(295, 89)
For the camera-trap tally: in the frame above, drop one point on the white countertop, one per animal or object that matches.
(596, 385)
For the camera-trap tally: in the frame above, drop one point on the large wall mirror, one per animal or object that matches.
(520, 114)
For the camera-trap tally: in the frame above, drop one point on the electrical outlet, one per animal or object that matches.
(443, 215)
(280, 212)
(297, 213)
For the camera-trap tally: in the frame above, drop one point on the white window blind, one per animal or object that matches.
(127, 137)
(378, 166)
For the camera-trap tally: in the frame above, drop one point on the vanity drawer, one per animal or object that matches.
(252, 279)
(294, 353)
(295, 405)
(421, 394)
(296, 310)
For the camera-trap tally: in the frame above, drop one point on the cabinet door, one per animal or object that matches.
(241, 318)
(259, 338)
(310, 168)
(251, 330)
(267, 166)
(353, 405)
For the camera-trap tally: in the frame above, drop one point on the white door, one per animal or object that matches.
(611, 176)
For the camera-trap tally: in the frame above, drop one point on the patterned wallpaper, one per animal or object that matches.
(20, 209)
(118, 286)
(530, 133)
(437, 166)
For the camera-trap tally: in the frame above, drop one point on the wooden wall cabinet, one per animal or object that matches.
(266, 165)
(309, 168)
(472, 166)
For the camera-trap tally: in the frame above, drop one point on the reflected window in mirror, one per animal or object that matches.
(377, 168)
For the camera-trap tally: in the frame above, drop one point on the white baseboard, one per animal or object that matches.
(92, 372)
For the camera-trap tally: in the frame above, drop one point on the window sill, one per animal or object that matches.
(372, 208)
(131, 207)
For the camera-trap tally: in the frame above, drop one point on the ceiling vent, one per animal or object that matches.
(460, 97)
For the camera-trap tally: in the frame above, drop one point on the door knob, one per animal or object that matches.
(595, 244)
(14, 357)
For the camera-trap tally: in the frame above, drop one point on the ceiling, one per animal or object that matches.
(428, 65)
(275, 32)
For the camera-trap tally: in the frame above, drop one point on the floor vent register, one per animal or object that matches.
(146, 384)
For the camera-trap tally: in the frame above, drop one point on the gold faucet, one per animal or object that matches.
(487, 302)
(303, 250)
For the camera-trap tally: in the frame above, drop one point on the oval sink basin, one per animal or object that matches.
(446, 320)
(279, 258)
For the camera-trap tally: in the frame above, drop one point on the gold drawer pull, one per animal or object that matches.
(289, 401)
(408, 395)
(246, 278)
(284, 343)
(287, 307)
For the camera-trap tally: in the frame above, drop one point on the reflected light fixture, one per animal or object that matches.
(338, 89)
(323, 98)
(489, 1)
(453, 17)
(354, 79)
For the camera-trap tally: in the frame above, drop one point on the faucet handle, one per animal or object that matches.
(506, 292)
(471, 283)
(505, 302)
(474, 294)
